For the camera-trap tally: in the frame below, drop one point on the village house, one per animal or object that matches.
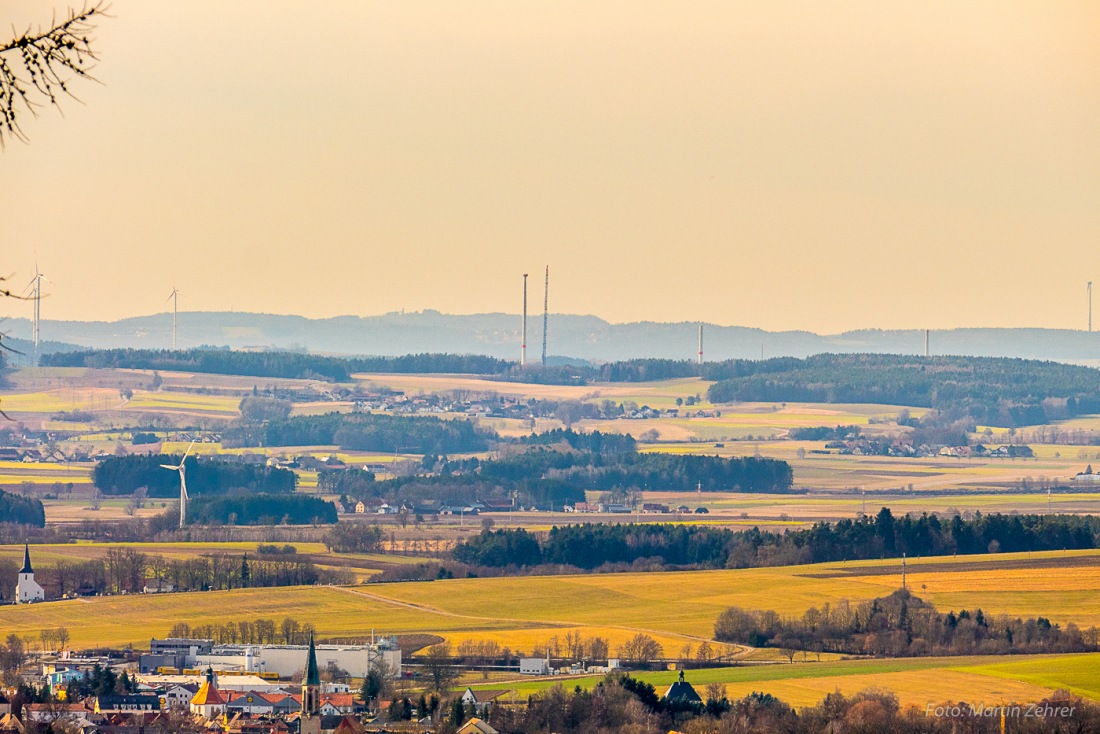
(126, 704)
(481, 701)
(476, 726)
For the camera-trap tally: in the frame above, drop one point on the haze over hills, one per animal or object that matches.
(573, 336)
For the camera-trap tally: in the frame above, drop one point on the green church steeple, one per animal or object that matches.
(313, 675)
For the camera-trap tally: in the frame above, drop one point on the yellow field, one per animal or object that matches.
(163, 401)
(676, 608)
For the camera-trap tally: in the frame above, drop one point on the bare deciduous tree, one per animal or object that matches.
(37, 66)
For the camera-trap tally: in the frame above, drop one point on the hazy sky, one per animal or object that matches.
(788, 165)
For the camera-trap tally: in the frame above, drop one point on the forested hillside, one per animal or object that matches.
(993, 391)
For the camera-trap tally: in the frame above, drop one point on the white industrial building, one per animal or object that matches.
(286, 660)
(534, 666)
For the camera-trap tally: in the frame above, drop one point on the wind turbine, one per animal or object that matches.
(183, 483)
(35, 287)
(174, 298)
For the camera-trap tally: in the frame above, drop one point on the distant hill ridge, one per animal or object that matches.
(576, 336)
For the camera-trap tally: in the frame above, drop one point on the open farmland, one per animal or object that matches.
(990, 680)
(676, 608)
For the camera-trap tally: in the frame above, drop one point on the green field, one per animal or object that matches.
(918, 682)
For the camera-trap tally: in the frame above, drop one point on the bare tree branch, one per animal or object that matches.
(41, 64)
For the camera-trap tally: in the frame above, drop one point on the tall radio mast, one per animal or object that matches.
(545, 313)
(523, 344)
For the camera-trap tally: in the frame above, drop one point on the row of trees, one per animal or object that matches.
(127, 474)
(615, 546)
(125, 569)
(901, 625)
(289, 631)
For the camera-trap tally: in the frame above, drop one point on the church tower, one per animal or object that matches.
(26, 590)
(310, 723)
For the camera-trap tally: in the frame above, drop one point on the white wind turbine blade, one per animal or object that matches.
(169, 466)
(187, 453)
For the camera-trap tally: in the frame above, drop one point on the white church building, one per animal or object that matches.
(26, 590)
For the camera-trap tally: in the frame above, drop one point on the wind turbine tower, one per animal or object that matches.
(36, 291)
(1090, 305)
(182, 469)
(174, 298)
(545, 313)
(700, 343)
(523, 339)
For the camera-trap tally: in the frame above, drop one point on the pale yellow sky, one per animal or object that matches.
(787, 165)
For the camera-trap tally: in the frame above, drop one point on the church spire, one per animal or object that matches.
(313, 676)
(311, 693)
(26, 560)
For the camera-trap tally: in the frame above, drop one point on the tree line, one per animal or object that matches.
(21, 510)
(901, 625)
(124, 569)
(263, 631)
(127, 474)
(618, 546)
(262, 509)
(293, 365)
(991, 390)
(207, 360)
(624, 470)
